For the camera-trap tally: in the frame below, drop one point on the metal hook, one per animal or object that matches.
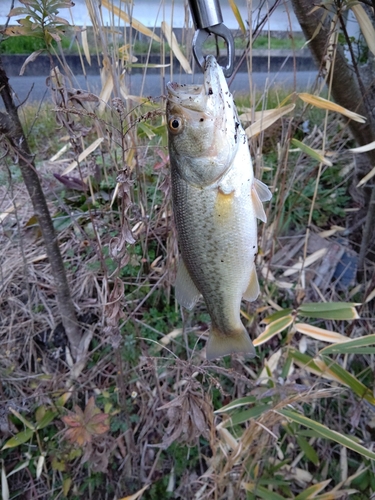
(201, 36)
(207, 18)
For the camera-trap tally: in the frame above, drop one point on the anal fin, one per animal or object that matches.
(263, 191)
(187, 294)
(260, 193)
(252, 290)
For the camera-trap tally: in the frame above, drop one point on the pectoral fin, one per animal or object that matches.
(187, 294)
(252, 291)
(260, 193)
(263, 191)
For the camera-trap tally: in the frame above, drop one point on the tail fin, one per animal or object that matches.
(220, 344)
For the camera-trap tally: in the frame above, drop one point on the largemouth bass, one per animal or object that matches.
(216, 203)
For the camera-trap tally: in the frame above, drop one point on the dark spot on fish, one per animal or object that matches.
(221, 260)
(210, 91)
(201, 120)
(254, 246)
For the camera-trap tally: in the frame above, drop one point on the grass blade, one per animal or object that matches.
(173, 43)
(320, 333)
(273, 329)
(320, 102)
(313, 153)
(355, 346)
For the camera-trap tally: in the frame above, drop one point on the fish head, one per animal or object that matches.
(203, 125)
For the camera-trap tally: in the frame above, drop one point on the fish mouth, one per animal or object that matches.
(200, 97)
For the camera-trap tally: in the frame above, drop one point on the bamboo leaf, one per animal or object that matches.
(365, 25)
(46, 419)
(363, 149)
(136, 495)
(24, 420)
(262, 492)
(320, 102)
(173, 43)
(133, 22)
(4, 483)
(367, 177)
(267, 118)
(307, 262)
(237, 403)
(237, 15)
(329, 310)
(319, 333)
(308, 450)
(278, 314)
(353, 346)
(273, 329)
(327, 433)
(313, 490)
(313, 153)
(85, 45)
(244, 416)
(18, 439)
(83, 155)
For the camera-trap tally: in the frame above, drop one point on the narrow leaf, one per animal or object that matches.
(84, 155)
(85, 45)
(273, 329)
(327, 433)
(262, 492)
(313, 490)
(46, 419)
(360, 345)
(367, 177)
(363, 149)
(20, 417)
(244, 416)
(320, 102)
(30, 59)
(307, 262)
(278, 314)
(237, 403)
(308, 450)
(135, 496)
(133, 22)
(173, 43)
(4, 483)
(267, 118)
(329, 310)
(366, 25)
(20, 438)
(319, 333)
(237, 15)
(313, 153)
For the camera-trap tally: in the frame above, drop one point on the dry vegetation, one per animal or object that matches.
(142, 414)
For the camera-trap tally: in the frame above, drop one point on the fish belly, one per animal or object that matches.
(218, 241)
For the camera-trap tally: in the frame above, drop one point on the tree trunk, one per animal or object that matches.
(11, 127)
(346, 91)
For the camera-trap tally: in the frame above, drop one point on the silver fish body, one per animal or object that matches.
(216, 202)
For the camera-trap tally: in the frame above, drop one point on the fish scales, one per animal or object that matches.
(216, 201)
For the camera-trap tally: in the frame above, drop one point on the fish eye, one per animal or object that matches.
(175, 125)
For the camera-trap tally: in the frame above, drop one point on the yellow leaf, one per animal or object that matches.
(365, 25)
(320, 334)
(320, 102)
(273, 329)
(133, 22)
(83, 155)
(306, 263)
(136, 495)
(237, 15)
(85, 45)
(173, 43)
(267, 118)
(363, 149)
(367, 177)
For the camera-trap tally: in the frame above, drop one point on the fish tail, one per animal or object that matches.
(220, 344)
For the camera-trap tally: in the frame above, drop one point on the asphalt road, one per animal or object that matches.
(34, 89)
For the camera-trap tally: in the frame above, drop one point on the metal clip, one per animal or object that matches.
(208, 19)
(201, 36)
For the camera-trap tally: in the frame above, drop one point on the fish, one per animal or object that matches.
(216, 204)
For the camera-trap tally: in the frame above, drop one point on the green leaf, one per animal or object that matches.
(307, 449)
(273, 329)
(244, 416)
(313, 153)
(327, 433)
(313, 490)
(46, 419)
(236, 404)
(262, 492)
(329, 310)
(349, 380)
(20, 438)
(352, 346)
(237, 15)
(277, 315)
